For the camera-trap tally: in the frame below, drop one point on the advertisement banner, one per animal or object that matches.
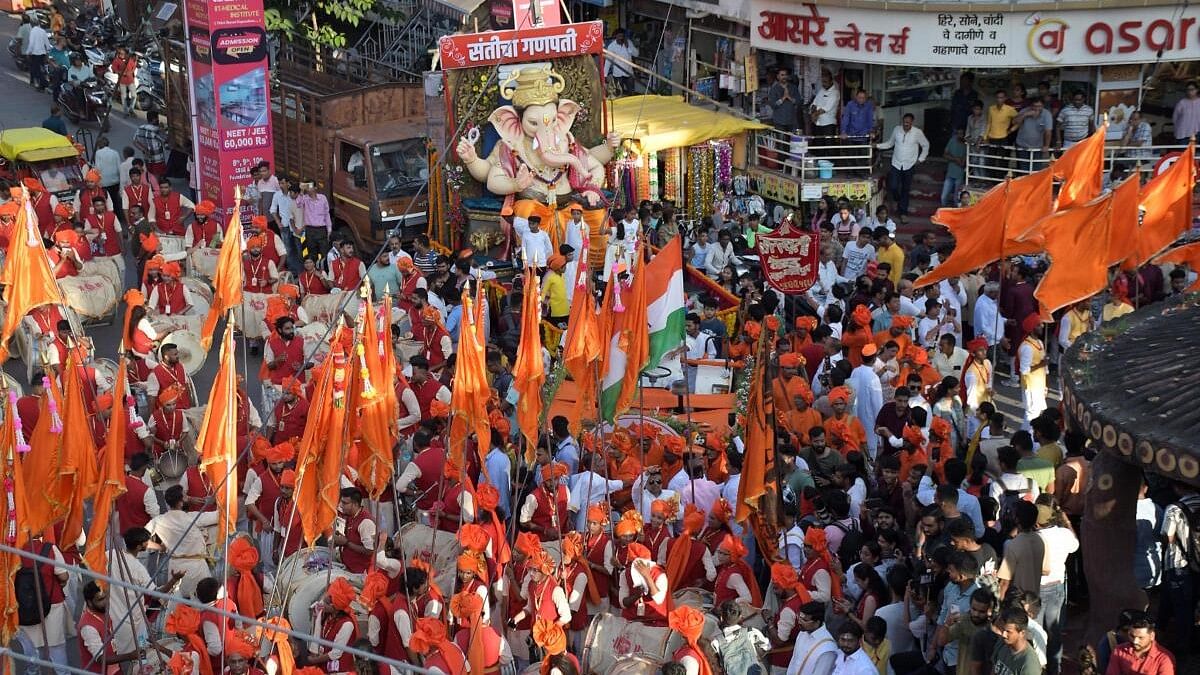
(977, 39)
(525, 46)
(230, 89)
(789, 258)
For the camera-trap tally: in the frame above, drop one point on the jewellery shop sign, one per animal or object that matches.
(977, 39)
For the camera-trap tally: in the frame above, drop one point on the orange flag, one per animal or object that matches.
(39, 466)
(375, 409)
(1189, 255)
(470, 393)
(1077, 243)
(1123, 224)
(321, 453)
(1166, 204)
(1081, 170)
(631, 333)
(760, 443)
(216, 442)
(111, 477)
(27, 277)
(582, 351)
(227, 279)
(529, 372)
(78, 473)
(989, 229)
(12, 445)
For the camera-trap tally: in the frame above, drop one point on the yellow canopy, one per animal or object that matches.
(35, 144)
(662, 122)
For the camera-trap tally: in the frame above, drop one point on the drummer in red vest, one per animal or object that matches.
(259, 273)
(337, 625)
(152, 268)
(171, 296)
(168, 424)
(598, 551)
(644, 592)
(312, 282)
(65, 259)
(466, 608)
(656, 534)
(170, 209)
(438, 346)
(426, 388)
(783, 630)
(86, 196)
(262, 490)
(735, 579)
(285, 519)
(347, 271)
(290, 412)
(64, 217)
(216, 628)
(43, 205)
(29, 405)
(42, 324)
(544, 511)
(103, 230)
(439, 654)
(577, 583)
(544, 597)
(273, 248)
(96, 654)
(410, 280)
(138, 504)
(357, 544)
(49, 635)
(424, 473)
(283, 357)
(168, 372)
(691, 563)
(473, 575)
(203, 230)
(141, 336)
(138, 192)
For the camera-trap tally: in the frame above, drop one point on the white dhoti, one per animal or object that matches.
(56, 628)
(1034, 399)
(194, 569)
(250, 315)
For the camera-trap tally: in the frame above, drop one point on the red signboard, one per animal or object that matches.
(789, 258)
(523, 46)
(227, 63)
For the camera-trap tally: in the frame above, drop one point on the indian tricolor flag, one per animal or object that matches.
(651, 325)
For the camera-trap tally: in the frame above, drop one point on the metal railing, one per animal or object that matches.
(814, 158)
(989, 164)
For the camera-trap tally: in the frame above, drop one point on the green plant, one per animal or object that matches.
(324, 24)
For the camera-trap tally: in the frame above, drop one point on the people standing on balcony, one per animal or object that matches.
(956, 167)
(1186, 115)
(783, 96)
(1076, 121)
(999, 116)
(858, 128)
(823, 111)
(621, 71)
(963, 101)
(909, 148)
(977, 125)
(1139, 135)
(1034, 126)
(1053, 103)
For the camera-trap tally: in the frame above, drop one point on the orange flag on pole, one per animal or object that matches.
(39, 466)
(79, 472)
(470, 393)
(529, 372)
(1030, 198)
(1077, 242)
(321, 453)
(629, 346)
(216, 442)
(27, 277)
(1123, 224)
(227, 279)
(1186, 255)
(111, 477)
(760, 442)
(1166, 204)
(13, 507)
(375, 409)
(582, 350)
(1081, 170)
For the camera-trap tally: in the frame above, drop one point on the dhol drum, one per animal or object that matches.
(202, 262)
(172, 464)
(439, 549)
(201, 293)
(250, 315)
(191, 352)
(311, 590)
(297, 567)
(94, 298)
(171, 246)
(316, 340)
(106, 375)
(611, 640)
(323, 308)
(111, 268)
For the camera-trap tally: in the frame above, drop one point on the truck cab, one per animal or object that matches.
(378, 180)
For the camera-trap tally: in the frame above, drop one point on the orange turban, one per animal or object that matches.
(92, 176)
(839, 395)
(236, 642)
(542, 562)
(733, 546)
(500, 423)
(528, 544)
(487, 497)
(289, 291)
(598, 512)
(293, 385)
(554, 470)
(919, 356)
(784, 575)
(404, 264)
(572, 546)
(752, 329)
(789, 360)
(549, 636)
(424, 566)
(104, 402)
(473, 562)
(939, 428)
(466, 605)
(815, 537)
(630, 523)
(556, 262)
(341, 594)
(798, 388)
(374, 588)
(284, 452)
(901, 321)
(183, 621)
(806, 323)
(674, 443)
(170, 394)
(64, 211)
(861, 316)
(661, 507)
(430, 634)
(439, 408)
(33, 184)
(180, 663)
(243, 556)
(722, 510)
(259, 222)
(636, 551)
(912, 434)
(679, 551)
(689, 622)
(156, 262)
(430, 313)
(69, 237)
(172, 269)
(693, 519)
(473, 537)
(255, 242)
(205, 208)
(287, 478)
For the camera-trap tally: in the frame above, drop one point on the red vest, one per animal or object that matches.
(426, 394)
(167, 428)
(284, 509)
(289, 420)
(256, 275)
(139, 194)
(133, 444)
(783, 656)
(198, 486)
(171, 299)
(810, 569)
(593, 551)
(269, 251)
(355, 562)
(139, 370)
(142, 344)
(174, 375)
(541, 603)
(550, 516)
(94, 663)
(204, 233)
(131, 506)
(653, 613)
(329, 631)
(721, 589)
(222, 624)
(293, 350)
(166, 214)
(44, 212)
(390, 644)
(28, 409)
(571, 575)
(694, 574)
(108, 231)
(431, 462)
(347, 273)
(86, 195)
(450, 515)
(311, 283)
(654, 540)
(433, 346)
(270, 490)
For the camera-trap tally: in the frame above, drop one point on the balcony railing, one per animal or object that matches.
(814, 158)
(989, 164)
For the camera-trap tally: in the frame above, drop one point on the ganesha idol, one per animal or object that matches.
(538, 166)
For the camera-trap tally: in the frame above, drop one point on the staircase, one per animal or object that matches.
(404, 46)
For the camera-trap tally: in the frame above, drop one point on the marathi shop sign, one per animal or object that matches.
(978, 39)
(524, 46)
(789, 258)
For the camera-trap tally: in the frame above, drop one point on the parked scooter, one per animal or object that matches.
(87, 101)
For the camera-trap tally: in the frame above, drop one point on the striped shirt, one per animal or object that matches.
(1074, 122)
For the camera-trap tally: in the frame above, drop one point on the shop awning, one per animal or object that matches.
(662, 122)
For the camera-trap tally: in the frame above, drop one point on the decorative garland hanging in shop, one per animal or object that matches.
(724, 158)
(652, 181)
(702, 184)
(670, 175)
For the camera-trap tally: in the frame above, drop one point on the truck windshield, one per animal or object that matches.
(61, 176)
(400, 168)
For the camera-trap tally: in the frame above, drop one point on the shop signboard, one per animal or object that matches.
(227, 54)
(789, 258)
(977, 39)
(524, 46)
(775, 188)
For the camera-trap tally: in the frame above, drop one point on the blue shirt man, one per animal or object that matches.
(858, 116)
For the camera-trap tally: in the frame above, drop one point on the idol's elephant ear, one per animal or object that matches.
(508, 124)
(567, 110)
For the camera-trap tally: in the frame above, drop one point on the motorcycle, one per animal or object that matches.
(150, 91)
(86, 102)
(19, 59)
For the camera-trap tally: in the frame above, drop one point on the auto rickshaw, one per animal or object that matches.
(51, 158)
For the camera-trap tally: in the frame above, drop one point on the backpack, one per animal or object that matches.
(739, 656)
(852, 541)
(29, 588)
(1190, 506)
(1009, 499)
